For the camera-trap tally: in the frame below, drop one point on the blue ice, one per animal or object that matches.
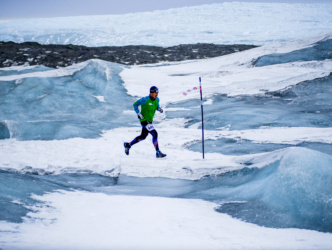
(307, 104)
(294, 191)
(22, 70)
(47, 108)
(317, 52)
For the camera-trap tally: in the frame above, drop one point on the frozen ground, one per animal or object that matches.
(126, 222)
(86, 193)
(265, 182)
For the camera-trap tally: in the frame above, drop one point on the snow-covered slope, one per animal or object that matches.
(224, 23)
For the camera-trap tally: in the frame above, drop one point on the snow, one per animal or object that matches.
(232, 74)
(96, 220)
(136, 222)
(52, 73)
(221, 23)
(93, 220)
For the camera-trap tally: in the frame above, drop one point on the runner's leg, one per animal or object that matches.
(154, 138)
(141, 137)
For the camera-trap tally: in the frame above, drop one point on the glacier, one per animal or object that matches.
(264, 183)
(220, 23)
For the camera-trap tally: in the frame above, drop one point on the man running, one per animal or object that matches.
(149, 105)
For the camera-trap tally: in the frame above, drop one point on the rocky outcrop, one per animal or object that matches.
(31, 53)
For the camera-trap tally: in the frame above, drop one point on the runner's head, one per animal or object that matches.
(154, 89)
(153, 92)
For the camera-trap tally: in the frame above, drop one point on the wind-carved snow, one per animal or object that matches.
(224, 23)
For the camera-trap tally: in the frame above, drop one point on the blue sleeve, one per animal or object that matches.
(158, 103)
(139, 102)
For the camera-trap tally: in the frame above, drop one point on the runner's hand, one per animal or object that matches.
(160, 110)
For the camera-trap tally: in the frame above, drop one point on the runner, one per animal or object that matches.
(148, 106)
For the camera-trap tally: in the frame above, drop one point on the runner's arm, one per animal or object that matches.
(139, 102)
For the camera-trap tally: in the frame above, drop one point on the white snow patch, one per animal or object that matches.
(100, 98)
(83, 220)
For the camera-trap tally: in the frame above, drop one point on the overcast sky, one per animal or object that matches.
(20, 9)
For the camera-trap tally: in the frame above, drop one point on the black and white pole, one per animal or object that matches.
(200, 89)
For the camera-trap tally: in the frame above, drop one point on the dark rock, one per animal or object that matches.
(31, 53)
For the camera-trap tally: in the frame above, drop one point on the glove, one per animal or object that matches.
(140, 116)
(160, 110)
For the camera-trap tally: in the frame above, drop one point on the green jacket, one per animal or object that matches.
(148, 108)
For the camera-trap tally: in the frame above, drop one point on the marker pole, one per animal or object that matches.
(200, 88)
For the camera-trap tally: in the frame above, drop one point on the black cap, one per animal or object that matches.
(154, 89)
